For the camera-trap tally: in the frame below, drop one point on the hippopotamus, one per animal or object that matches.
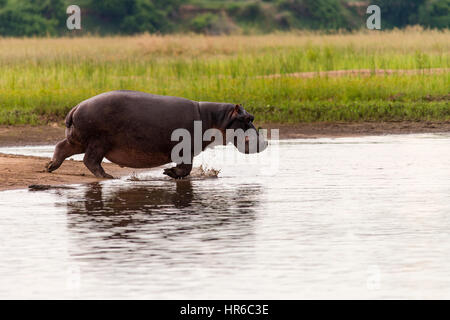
(134, 129)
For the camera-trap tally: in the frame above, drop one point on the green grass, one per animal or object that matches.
(42, 79)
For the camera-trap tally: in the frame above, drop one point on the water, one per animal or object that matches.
(361, 217)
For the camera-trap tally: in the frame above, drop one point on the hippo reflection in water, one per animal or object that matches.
(134, 129)
(159, 210)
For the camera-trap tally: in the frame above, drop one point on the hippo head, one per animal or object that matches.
(242, 133)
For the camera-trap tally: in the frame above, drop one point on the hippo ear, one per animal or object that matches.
(237, 109)
(229, 116)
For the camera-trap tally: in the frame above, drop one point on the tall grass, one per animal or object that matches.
(41, 79)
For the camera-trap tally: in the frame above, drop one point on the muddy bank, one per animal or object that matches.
(45, 135)
(27, 135)
(336, 130)
(18, 172)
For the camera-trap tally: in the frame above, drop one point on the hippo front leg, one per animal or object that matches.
(179, 172)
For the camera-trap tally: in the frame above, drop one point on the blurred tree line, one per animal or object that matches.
(48, 17)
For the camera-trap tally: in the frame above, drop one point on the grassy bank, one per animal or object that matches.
(41, 79)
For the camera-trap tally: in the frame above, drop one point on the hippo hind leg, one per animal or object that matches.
(63, 150)
(179, 172)
(93, 157)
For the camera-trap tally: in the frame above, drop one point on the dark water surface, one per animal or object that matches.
(361, 217)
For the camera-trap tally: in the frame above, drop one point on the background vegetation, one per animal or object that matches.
(43, 78)
(107, 17)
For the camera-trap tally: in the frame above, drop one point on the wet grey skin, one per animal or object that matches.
(133, 129)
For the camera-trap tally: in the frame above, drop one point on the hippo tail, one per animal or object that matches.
(69, 118)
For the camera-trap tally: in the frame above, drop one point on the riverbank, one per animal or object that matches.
(19, 172)
(26, 135)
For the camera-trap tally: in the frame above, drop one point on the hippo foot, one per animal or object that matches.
(50, 167)
(176, 173)
(106, 176)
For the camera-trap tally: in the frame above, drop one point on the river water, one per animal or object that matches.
(365, 217)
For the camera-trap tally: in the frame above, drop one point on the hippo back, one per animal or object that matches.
(134, 119)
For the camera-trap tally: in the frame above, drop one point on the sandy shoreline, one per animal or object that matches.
(18, 172)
